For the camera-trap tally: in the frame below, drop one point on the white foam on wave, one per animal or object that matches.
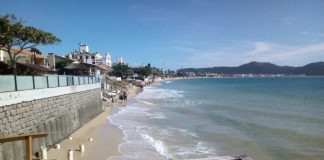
(129, 120)
(168, 82)
(158, 116)
(199, 149)
(146, 102)
(159, 93)
(185, 132)
(146, 140)
(158, 145)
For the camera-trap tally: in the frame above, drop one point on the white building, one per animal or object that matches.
(120, 60)
(108, 59)
(85, 56)
(83, 48)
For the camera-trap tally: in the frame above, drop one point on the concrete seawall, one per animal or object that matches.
(62, 114)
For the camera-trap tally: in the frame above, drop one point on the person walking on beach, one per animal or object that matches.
(125, 94)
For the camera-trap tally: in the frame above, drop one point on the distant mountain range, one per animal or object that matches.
(262, 68)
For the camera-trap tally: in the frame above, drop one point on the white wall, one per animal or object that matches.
(8, 98)
(84, 48)
(1, 55)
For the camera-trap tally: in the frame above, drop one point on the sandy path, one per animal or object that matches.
(106, 138)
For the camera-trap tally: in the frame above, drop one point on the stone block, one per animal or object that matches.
(5, 108)
(5, 133)
(14, 129)
(7, 125)
(7, 113)
(2, 115)
(10, 131)
(14, 106)
(4, 120)
(13, 112)
(10, 119)
(22, 110)
(2, 127)
(19, 127)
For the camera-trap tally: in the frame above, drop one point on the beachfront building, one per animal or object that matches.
(85, 56)
(81, 62)
(108, 60)
(25, 57)
(74, 67)
(27, 63)
(120, 60)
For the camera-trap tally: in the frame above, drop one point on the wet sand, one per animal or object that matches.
(106, 138)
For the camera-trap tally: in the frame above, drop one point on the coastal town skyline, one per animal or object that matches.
(183, 33)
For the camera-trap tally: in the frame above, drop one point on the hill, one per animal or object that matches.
(262, 68)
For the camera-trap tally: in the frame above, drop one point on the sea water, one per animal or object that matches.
(265, 118)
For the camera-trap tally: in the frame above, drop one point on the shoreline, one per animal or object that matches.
(106, 137)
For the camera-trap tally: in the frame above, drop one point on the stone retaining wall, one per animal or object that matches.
(59, 114)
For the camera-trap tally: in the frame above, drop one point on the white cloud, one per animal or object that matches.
(261, 47)
(303, 51)
(280, 52)
(262, 51)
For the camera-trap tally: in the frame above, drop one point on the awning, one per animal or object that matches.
(76, 66)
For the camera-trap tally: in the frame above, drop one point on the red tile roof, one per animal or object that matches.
(28, 52)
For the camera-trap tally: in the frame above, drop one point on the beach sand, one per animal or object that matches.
(106, 138)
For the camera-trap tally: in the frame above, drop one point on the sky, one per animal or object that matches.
(174, 34)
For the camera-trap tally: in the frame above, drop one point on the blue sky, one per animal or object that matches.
(183, 33)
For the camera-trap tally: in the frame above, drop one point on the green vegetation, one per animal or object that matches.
(34, 49)
(60, 66)
(14, 34)
(143, 71)
(124, 71)
(120, 70)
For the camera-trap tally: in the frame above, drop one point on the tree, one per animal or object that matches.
(34, 49)
(60, 66)
(14, 34)
(120, 70)
(144, 71)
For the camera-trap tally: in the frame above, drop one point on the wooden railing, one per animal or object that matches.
(29, 141)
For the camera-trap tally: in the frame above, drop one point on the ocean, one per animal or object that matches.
(265, 118)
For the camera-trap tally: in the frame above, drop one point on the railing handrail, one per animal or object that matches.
(49, 82)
